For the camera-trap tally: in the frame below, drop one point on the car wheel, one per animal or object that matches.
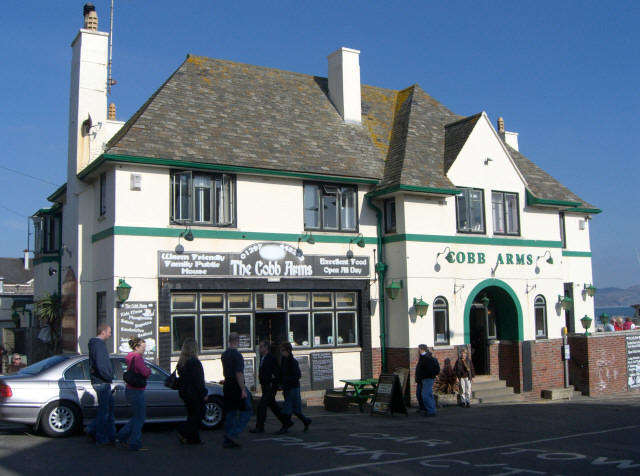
(213, 414)
(60, 419)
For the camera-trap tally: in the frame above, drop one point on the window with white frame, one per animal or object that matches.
(504, 206)
(440, 321)
(330, 207)
(202, 199)
(46, 233)
(470, 211)
(540, 307)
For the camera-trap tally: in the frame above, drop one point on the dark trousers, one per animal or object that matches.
(195, 413)
(268, 400)
(419, 396)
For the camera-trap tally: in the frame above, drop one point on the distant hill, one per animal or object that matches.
(616, 297)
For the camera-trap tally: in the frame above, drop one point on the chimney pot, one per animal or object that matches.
(90, 17)
(26, 259)
(500, 124)
(112, 111)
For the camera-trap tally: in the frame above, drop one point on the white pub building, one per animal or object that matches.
(348, 219)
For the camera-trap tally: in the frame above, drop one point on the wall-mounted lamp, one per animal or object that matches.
(566, 302)
(487, 160)
(448, 256)
(186, 234)
(457, 287)
(485, 301)
(394, 289)
(586, 323)
(308, 238)
(589, 289)
(529, 288)
(549, 260)
(420, 306)
(123, 290)
(358, 240)
(493, 270)
(52, 271)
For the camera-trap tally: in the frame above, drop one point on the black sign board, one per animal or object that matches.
(388, 397)
(321, 370)
(249, 374)
(305, 372)
(261, 260)
(137, 319)
(633, 361)
(244, 341)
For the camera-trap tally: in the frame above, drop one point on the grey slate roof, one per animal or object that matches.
(456, 134)
(13, 272)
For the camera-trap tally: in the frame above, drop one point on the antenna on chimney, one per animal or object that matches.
(110, 81)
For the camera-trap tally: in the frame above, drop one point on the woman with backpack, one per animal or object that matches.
(131, 433)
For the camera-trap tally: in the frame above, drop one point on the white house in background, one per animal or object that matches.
(314, 210)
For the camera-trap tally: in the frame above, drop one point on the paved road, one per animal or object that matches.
(581, 437)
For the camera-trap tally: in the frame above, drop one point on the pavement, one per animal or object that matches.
(586, 436)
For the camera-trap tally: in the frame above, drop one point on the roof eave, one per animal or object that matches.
(412, 189)
(534, 201)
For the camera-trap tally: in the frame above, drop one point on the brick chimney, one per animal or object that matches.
(90, 17)
(112, 112)
(509, 138)
(344, 84)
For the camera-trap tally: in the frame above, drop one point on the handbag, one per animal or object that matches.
(133, 378)
(172, 381)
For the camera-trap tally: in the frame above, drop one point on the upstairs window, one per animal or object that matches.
(203, 199)
(47, 228)
(563, 236)
(470, 211)
(103, 195)
(390, 215)
(330, 207)
(505, 213)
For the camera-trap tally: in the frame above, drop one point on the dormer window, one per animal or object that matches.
(470, 210)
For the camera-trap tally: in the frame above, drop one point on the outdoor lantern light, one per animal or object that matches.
(586, 323)
(358, 240)
(447, 253)
(590, 290)
(420, 306)
(549, 260)
(394, 289)
(485, 301)
(308, 237)
(123, 290)
(52, 271)
(566, 302)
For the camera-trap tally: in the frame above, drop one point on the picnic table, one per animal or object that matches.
(360, 390)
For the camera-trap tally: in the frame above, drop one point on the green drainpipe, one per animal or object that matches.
(381, 269)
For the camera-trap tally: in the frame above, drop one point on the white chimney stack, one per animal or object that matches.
(509, 138)
(26, 259)
(344, 84)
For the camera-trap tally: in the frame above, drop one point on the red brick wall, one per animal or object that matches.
(509, 364)
(548, 366)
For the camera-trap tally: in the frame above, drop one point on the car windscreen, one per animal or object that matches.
(43, 365)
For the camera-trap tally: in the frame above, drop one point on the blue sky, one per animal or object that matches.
(562, 74)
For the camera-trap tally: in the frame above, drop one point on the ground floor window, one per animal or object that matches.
(440, 321)
(540, 306)
(306, 319)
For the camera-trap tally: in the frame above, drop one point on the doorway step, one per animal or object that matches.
(490, 389)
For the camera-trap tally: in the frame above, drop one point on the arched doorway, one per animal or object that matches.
(492, 312)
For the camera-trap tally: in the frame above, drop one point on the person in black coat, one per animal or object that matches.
(269, 377)
(192, 391)
(290, 378)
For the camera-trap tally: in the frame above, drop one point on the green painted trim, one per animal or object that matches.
(58, 193)
(577, 254)
(412, 188)
(533, 201)
(219, 168)
(476, 290)
(221, 234)
(45, 259)
(594, 211)
(42, 211)
(471, 240)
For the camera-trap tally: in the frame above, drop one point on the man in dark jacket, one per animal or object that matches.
(237, 398)
(103, 428)
(269, 376)
(427, 370)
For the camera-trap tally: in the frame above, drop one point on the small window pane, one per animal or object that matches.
(241, 323)
(322, 300)
(239, 301)
(79, 371)
(185, 302)
(346, 300)
(440, 320)
(182, 328)
(461, 202)
(202, 198)
(347, 328)
(511, 203)
(269, 301)
(212, 332)
(348, 209)
(329, 212)
(475, 202)
(541, 317)
(311, 206)
(390, 215)
(212, 301)
(498, 212)
(323, 328)
(298, 300)
(224, 200)
(299, 329)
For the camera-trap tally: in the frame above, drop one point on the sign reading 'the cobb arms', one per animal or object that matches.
(261, 260)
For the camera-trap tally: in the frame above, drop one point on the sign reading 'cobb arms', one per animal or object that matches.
(261, 260)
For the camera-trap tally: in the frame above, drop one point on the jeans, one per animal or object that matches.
(419, 396)
(132, 431)
(293, 404)
(236, 420)
(427, 396)
(105, 427)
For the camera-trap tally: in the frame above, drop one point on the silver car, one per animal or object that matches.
(55, 395)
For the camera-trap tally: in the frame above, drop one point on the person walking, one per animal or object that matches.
(628, 324)
(192, 391)
(131, 433)
(269, 377)
(290, 378)
(103, 429)
(464, 371)
(421, 407)
(427, 370)
(237, 398)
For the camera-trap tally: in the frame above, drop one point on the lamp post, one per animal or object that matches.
(586, 323)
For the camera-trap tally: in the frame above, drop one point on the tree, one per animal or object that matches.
(49, 312)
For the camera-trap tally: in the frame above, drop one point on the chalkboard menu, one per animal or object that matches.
(249, 374)
(137, 319)
(305, 373)
(321, 370)
(244, 341)
(633, 361)
(388, 397)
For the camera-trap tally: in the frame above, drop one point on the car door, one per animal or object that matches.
(122, 409)
(76, 379)
(162, 402)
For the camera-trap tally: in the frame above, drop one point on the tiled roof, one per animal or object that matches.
(455, 136)
(13, 272)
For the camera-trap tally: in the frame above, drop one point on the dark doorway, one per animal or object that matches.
(568, 315)
(271, 326)
(478, 336)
